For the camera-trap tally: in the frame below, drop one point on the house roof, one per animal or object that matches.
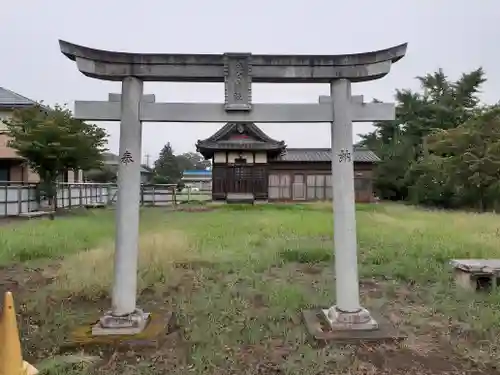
(10, 99)
(197, 172)
(241, 127)
(238, 136)
(248, 136)
(197, 175)
(361, 155)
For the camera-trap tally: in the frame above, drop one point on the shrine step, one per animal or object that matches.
(33, 214)
(240, 198)
(95, 205)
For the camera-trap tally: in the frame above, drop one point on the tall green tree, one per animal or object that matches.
(440, 104)
(192, 161)
(166, 167)
(52, 141)
(469, 155)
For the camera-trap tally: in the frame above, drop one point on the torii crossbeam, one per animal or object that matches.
(212, 112)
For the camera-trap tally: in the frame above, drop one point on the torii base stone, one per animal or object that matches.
(159, 326)
(320, 329)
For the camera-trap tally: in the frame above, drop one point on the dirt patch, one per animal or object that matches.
(428, 348)
(11, 220)
(426, 351)
(21, 280)
(194, 265)
(310, 269)
(258, 301)
(401, 360)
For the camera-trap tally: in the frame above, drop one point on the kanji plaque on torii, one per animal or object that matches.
(237, 82)
(237, 71)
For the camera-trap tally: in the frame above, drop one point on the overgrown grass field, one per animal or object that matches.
(238, 277)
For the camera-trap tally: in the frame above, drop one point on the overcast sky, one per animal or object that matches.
(456, 35)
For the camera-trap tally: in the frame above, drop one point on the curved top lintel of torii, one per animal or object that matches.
(170, 67)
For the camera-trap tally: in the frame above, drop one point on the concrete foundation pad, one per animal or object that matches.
(33, 214)
(320, 329)
(218, 203)
(158, 326)
(261, 201)
(240, 198)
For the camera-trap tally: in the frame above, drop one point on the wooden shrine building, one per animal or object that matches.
(248, 165)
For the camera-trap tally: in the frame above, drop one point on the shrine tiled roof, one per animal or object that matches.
(248, 136)
(239, 136)
(239, 127)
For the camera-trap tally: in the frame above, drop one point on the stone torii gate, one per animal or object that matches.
(237, 71)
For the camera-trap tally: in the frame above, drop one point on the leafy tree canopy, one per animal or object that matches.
(192, 161)
(166, 167)
(414, 164)
(169, 167)
(52, 141)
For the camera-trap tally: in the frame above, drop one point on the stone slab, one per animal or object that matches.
(33, 214)
(158, 327)
(218, 203)
(261, 201)
(319, 328)
(477, 279)
(477, 265)
(240, 198)
(96, 205)
(465, 280)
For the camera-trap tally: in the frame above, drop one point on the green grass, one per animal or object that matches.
(238, 278)
(45, 238)
(38, 239)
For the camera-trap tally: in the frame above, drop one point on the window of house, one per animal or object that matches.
(4, 174)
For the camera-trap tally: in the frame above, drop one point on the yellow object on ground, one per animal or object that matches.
(11, 359)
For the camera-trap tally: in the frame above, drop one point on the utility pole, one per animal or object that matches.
(147, 156)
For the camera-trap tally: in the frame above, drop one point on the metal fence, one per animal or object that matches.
(21, 198)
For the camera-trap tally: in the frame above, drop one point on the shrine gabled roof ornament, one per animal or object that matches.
(239, 136)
